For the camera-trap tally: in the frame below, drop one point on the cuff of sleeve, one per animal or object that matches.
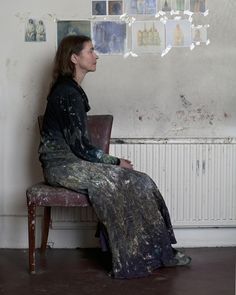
(118, 162)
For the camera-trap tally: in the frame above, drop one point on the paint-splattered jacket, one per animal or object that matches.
(64, 133)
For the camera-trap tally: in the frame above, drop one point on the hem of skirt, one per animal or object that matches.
(135, 276)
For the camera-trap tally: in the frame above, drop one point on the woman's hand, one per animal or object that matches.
(126, 164)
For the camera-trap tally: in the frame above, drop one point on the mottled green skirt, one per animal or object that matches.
(132, 209)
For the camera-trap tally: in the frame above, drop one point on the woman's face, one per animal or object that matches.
(86, 59)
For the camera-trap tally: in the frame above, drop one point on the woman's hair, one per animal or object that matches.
(63, 66)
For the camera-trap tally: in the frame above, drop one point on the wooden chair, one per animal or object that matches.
(43, 195)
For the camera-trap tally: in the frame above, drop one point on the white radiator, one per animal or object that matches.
(195, 176)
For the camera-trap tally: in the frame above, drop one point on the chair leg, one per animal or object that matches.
(31, 235)
(45, 228)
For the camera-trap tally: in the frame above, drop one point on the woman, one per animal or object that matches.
(30, 34)
(127, 202)
(40, 31)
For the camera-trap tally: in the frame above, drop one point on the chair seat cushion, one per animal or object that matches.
(42, 194)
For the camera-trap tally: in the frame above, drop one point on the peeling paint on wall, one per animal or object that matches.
(151, 115)
(198, 114)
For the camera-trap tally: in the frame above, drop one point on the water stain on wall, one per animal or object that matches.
(226, 115)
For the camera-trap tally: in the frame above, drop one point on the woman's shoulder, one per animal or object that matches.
(66, 83)
(64, 87)
(66, 90)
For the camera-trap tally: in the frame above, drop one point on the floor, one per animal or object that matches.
(83, 271)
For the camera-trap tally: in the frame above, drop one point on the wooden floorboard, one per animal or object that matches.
(83, 271)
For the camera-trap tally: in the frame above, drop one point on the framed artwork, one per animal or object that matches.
(99, 7)
(66, 28)
(199, 34)
(148, 37)
(144, 7)
(178, 33)
(198, 6)
(115, 7)
(109, 37)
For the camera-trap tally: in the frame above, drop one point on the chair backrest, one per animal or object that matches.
(99, 128)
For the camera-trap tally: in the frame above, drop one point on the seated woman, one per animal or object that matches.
(126, 201)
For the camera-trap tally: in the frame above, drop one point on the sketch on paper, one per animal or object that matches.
(30, 31)
(99, 7)
(141, 7)
(109, 37)
(197, 6)
(115, 7)
(199, 35)
(148, 37)
(35, 31)
(40, 31)
(67, 28)
(178, 33)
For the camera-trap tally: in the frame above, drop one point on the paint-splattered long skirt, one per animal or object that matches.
(132, 209)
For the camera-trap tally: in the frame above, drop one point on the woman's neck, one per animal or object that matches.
(79, 77)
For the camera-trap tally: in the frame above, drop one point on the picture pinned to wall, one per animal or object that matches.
(109, 37)
(67, 28)
(35, 31)
(180, 5)
(115, 7)
(165, 5)
(178, 33)
(199, 35)
(198, 6)
(143, 7)
(148, 37)
(99, 8)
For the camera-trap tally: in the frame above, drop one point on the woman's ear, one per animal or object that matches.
(74, 58)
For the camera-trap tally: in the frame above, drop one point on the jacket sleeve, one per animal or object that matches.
(76, 134)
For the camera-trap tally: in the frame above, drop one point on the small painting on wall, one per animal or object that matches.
(198, 6)
(99, 7)
(35, 31)
(67, 28)
(115, 7)
(199, 34)
(143, 7)
(148, 37)
(178, 33)
(165, 5)
(180, 5)
(109, 37)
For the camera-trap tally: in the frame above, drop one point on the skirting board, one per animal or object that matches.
(14, 234)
